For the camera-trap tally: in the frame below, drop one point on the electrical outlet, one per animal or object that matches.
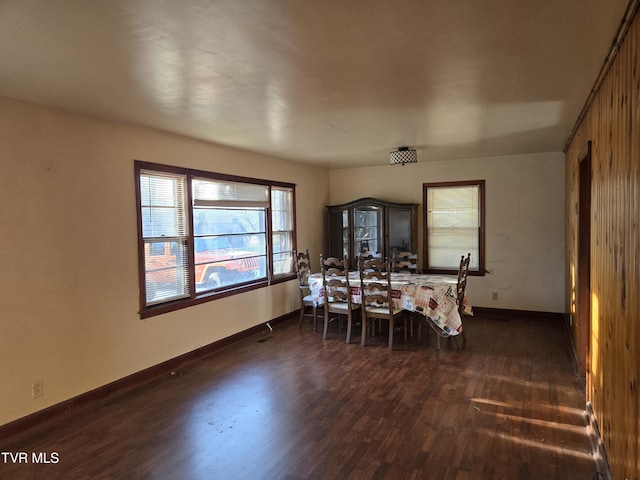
(36, 389)
(494, 296)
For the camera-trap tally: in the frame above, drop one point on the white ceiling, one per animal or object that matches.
(334, 82)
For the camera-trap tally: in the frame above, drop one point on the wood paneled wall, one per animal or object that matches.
(612, 123)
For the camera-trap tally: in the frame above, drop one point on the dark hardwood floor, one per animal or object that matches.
(286, 405)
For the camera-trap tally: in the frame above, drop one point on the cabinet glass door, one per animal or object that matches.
(339, 233)
(367, 225)
(399, 229)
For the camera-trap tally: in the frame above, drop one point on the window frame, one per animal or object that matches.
(195, 298)
(480, 271)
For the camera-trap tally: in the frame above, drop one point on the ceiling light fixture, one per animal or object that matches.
(403, 155)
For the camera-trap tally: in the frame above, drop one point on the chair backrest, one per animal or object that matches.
(303, 267)
(461, 287)
(372, 264)
(369, 254)
(333, 265)
(376, 288)
(404, 261)
(335, 281)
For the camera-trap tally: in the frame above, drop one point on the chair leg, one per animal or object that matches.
(363, 334)
(420, 322)
(457, 341)
(348, 340)
(391, 329)
(429, 327)
(326, 324)
(315, 319)
(406, 320)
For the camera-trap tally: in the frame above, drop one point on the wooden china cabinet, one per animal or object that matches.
(370, 224)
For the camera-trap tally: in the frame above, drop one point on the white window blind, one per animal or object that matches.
(453, 222)
(164, 234)
(219, 193)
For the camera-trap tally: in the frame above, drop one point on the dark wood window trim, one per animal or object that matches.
(480, 269)
(195, 298)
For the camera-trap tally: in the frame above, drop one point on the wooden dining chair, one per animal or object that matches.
(370, 263)
(461, 287)
(377, 302)
(461, 290)
(404, 262)
(303, 271)
(337, 295)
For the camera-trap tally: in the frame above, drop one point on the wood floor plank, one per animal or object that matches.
(288, 405)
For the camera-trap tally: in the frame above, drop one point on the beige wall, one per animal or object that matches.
(524, 225)
(69, 280)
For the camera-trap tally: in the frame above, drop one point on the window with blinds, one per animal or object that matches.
(165, 231)
(454, 225)
(204, 235)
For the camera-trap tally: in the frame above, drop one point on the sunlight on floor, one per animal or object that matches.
(541, 444)
(541, 431)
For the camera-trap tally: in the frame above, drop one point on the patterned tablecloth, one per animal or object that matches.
(431, 295)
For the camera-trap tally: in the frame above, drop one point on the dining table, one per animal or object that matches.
(433, 296)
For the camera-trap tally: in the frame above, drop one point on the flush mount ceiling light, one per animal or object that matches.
(403, 155)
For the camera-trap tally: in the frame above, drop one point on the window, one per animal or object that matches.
(204, 235)
(164, 235)
(454, 225)
(282, 229)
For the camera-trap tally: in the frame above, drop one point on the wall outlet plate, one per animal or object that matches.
(37, 389)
